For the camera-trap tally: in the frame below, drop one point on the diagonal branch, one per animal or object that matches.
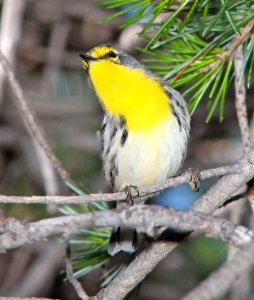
(239, 39)
(30, 120)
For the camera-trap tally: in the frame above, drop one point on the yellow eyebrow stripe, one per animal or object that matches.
(100, 51)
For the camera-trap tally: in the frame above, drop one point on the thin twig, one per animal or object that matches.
(144, 191)
(220, 281)
(239, 39)
(69, 273)
(240, 99)
(147, 218)
(30, 120)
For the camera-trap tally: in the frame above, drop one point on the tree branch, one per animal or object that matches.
(147, 190)
(145, 217)
(69, 273)
(240, 99)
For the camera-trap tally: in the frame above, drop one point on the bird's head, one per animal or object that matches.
(103, 52)
(109, 54)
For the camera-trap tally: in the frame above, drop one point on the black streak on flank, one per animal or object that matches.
(103, 127)
(112, 137)
(113, 134)
(113, 170)
(179, 105)
(176, 101)
(176, 116)
(102, 136)
(124, 137)
(112, 179)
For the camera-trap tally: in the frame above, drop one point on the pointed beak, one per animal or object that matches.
(86, 59)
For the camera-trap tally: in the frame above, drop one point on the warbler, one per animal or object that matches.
(145, 128)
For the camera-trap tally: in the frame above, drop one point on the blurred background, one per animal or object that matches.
(42, 40)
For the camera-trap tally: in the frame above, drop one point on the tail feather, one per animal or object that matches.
(123, 239)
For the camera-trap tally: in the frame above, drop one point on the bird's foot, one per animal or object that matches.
(194, 181)
(130, 191)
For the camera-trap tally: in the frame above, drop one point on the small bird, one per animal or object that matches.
(145, 128)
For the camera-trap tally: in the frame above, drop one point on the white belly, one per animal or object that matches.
(146, 157)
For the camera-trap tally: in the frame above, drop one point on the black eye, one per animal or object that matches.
(112, 54)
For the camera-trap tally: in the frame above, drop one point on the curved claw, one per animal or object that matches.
(194, 182)
(128, 189)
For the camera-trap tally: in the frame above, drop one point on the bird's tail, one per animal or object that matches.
(123, 239)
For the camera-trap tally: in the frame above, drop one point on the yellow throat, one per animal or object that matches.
(130, 93)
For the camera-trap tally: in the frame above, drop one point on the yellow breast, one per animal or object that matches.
(130, 93)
